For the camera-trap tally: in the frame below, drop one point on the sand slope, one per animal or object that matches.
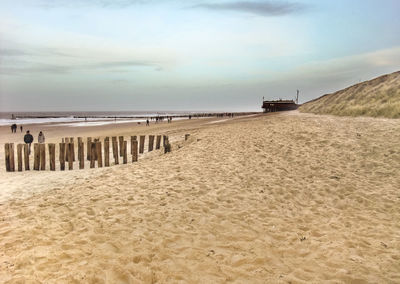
(272, 199)
(379, 97)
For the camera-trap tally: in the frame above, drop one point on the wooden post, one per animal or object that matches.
(99, 155)
(164, 140)
(70, 156)
(36, 156)
(107, 152)
(7, 156)
(92, 154)
(134, 151)
(52, 156)
(133, 138)
(88, 145)
(66, 149)
(42, 149)
(124, 152)
(81, 154)
(19, 155)
(7, 152)
(26, 157)
(12, 161)
(158, 142)
(187, 136)
(115, 150)
(167, 146)
(141, 145)
(62, 156)
(151, 142)
(71, 140)
(95, 152)
(121, 142)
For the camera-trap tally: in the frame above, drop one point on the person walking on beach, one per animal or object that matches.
(41, 137)
(147, 122)
(21, 128)
(28, 139)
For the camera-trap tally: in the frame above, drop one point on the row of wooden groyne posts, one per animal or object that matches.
(94, 152)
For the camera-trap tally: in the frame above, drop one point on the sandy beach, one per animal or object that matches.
(276, 198)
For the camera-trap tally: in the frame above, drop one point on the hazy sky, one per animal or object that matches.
(189, 55)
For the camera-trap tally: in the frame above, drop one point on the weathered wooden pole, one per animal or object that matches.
(52, 156)
(115, 150)
(121, 142)
(99, 155)
(187, 136)
(92, 154)
(158, 142)
(19, 155)
(66, 149)
(125, 152)
(36, 156)
(81, 154)
(134, 147)
(62, 156)
(70, 156)
(141, 145)
(26, 157)
(12, 161)
(9, 156)
(71, 140)
(42, 149)
(167, 146)
(151, 142)
(164, 140)
(107, 152)
(88, 145)
(133, 138)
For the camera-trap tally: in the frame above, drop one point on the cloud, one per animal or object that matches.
(21, 67)
(11, 52)
(265, 8)
(90, 3)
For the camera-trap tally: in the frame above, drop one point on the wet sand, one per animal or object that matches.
(276, 198)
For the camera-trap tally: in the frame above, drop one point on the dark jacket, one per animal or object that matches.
(28, 138)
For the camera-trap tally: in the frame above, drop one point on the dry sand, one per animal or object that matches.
(276, 198)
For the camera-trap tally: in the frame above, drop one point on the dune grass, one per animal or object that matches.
(379, 97)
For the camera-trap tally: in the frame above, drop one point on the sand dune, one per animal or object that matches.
(379, 97)
(276, 198)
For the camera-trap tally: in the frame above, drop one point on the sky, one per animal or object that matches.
(193, 55)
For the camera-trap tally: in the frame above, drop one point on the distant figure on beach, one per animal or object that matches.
(28, 139)
(147, 122)
(21, 128)
(13, 128)
(41, 137)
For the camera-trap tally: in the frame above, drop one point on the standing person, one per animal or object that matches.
(41, 137)
(147, 122)
(28, 139)
(21, 128)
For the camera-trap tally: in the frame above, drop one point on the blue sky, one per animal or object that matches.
(188, 55)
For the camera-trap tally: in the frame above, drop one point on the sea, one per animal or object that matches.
(84, 118)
